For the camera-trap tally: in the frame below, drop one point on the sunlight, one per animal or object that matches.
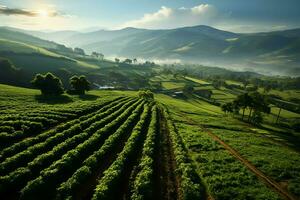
(43, 13)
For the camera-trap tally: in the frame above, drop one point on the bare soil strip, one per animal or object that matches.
(169, 182)
(267, 180)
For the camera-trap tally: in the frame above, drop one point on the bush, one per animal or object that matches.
(48, 84)
(146, 94)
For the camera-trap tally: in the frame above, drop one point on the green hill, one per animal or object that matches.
(28, 52)
(13, 35)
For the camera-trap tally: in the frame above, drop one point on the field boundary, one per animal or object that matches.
(267, 180)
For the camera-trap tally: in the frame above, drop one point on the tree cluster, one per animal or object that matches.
(146, 94)
(255, 102)
(49, 84)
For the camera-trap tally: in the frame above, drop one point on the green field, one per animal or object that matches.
(89, 146)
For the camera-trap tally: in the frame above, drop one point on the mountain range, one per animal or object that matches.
(269, 52)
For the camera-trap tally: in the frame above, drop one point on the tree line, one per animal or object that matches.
(49, 84)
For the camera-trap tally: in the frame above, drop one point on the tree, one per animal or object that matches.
(128, 61)
(49, 84)
(258, 104)
(257, 117)
(134, 60)
(236, 107)
(79, 51)
(98, 55)
(79, 84)
(117, 60)
(243, 101)
(227, 107)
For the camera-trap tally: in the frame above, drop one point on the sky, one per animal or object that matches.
(86, 15)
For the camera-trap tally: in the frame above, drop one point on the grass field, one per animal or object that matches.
(25, 56)
(19, 47)
(113, 145)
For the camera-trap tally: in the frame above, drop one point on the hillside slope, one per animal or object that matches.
(269, 53)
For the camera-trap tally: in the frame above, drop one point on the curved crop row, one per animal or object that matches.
(22, 158)
(22, 145)
(22, 175)
(24, 126)
(190, 184)
(18, 178)
(108, 184)
(60, 170)
(68, 189)
(143, 183)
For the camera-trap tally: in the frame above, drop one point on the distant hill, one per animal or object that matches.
(270, 53)
(16, 35)
(30, 55)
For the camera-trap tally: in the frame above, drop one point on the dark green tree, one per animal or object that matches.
(49, 84)
(257, 117)
(79, 51)
(127, 61)
(188, 88)
(257, 104)
(227, 107)
(243, 101)
(79, 84)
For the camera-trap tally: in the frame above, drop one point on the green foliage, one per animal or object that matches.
(146, 94)
(188, 88)
(57, 172)
(49, 84)
(79, 84)
(143, 183)
(79, 51)
(107, 187)
(257, 117)
(69, 187)
(227, 108)
(191, 186)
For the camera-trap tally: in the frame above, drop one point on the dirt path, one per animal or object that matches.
(267, 180)
(169, 182)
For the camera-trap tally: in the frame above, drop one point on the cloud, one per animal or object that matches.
(15, 11)
(4, 10)
(170, 18)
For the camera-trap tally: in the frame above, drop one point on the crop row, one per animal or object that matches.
(16, 127)
(68, 189)
(143, 183)
(61, 169)
(191, 186)
(19, 177)
(107, 187)
(90, 124)
(26, 143)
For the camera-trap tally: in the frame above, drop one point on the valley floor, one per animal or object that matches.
(113, 145)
